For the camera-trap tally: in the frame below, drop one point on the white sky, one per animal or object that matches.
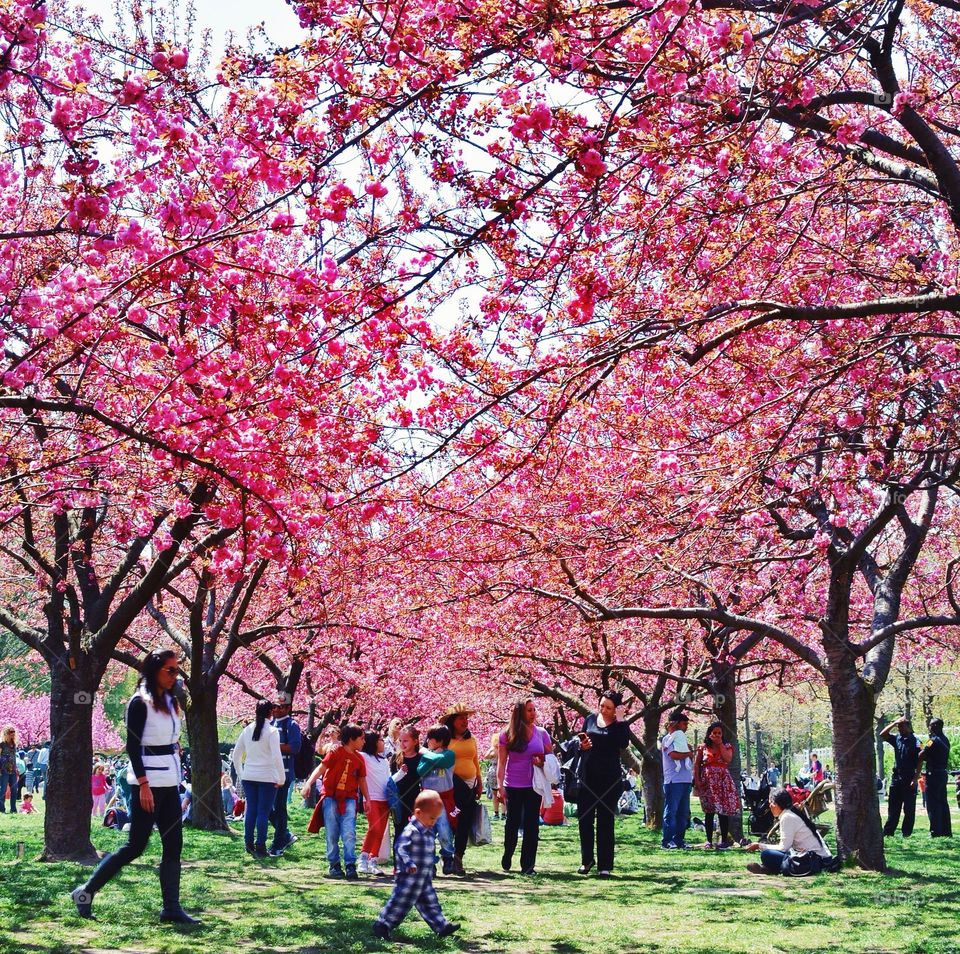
(222, 17)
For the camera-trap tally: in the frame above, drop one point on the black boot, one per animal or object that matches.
(260, 849)
(82, 897)
(170, 890)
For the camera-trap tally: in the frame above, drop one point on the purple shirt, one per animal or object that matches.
(519, 773)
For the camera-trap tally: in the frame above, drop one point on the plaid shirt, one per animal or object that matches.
(416, 846)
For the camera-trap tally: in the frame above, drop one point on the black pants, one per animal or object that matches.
(466, 800)
(938, 808)
(597, 808)
(167, 816)
(279, 817)
(523, 810)
(902, 796)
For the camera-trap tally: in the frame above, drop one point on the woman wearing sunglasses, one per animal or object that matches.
(153, 731)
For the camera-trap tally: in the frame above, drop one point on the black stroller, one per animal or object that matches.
(756, 799)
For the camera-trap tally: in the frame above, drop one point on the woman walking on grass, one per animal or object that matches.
(259, 764)
(153, 731)
(603, 739)
(522, 747)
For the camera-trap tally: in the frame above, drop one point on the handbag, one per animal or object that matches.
(481, 833)
(804, 864)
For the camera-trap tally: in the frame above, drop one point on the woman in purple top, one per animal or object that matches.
(522, 746)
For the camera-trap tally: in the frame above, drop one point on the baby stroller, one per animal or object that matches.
(756, 799)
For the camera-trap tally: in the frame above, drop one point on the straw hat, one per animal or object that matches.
(456, 709)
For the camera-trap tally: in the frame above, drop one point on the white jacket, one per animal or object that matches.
(545, 777)
(259, 761)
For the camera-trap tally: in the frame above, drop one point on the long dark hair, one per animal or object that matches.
(264, 711)
(723, 734)
(152, 663)
(371, 742)
(517, 740)
(784, 800)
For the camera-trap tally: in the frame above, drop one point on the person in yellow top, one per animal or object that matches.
(467, 784)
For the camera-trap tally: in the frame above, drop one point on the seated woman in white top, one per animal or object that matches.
(797, 836)
(259, 765)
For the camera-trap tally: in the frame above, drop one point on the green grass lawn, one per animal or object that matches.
(659, 901)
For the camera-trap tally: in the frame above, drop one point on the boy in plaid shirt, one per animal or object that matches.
(416, 862)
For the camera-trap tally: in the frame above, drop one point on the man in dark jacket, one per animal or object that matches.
(934, 757)
(903, 786)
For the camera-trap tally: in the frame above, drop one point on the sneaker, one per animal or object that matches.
(448, 929)
(725, 845)
(604, 873)
(335, 872)
(381, 931)
(528, 871)
(364, 865)
(374, 869)
(351, 874)
(276, 852)
(585, 869)
(446, 865)
(683, 846)
(290, 841)
(670, 846)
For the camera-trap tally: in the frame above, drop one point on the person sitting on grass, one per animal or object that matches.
(416, 863)
(798, 835)
(26, 806)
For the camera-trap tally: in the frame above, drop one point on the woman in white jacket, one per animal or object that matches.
(259, 765)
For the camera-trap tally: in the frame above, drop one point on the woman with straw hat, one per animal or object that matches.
(467, 784)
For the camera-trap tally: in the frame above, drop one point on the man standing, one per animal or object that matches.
(291, 739)
(40, 764)
(903, 785)
(773, 774)
(677, 781)
(934, 757)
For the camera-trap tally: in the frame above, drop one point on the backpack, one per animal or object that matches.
(305, 761)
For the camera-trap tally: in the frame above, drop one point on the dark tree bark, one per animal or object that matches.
(651, 768)
(68, 802)
(205, 762)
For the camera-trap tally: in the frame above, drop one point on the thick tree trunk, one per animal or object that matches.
(725, 708)
(852, 707)
(651, 770)
(68, 802)
(859, 826)
(205, 767)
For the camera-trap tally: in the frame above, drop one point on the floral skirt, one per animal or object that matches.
(718, 794)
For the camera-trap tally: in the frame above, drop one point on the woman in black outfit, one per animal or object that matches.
(603, 740)
(153, 731)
